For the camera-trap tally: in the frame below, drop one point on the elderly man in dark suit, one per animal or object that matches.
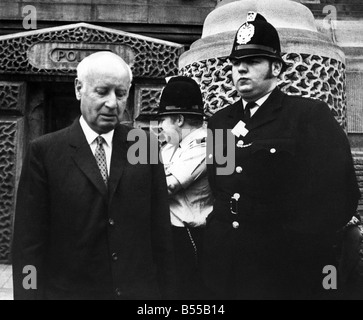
(93, 225)
(276, 217)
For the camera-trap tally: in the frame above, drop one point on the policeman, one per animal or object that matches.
(275, 218)
(184, 158)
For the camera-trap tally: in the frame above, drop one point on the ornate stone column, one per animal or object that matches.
(316, 64)
(12, 104)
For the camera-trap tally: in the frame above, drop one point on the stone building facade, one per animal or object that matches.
(42, 41)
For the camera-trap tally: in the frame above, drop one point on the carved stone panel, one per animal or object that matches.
(10, 131)
(358, 164)
(12, 96)
(147, 98)
(319, 78)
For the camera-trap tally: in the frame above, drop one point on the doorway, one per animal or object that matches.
(62, 106)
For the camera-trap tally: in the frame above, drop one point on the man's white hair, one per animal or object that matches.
(85, 65)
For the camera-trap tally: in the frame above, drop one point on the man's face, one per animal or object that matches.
(170, 129)
(103, 94)
(254, 77)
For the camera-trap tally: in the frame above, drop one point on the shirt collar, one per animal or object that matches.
(260, 101)
(91, 135)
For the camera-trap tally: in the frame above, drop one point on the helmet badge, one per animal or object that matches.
(245, 33)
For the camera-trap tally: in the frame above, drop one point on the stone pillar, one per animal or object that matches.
(12, 105)
(316, 64)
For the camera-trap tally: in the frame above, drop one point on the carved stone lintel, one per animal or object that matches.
(151, 58)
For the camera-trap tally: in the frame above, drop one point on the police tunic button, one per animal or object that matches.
(237, 196)
(114, 257)
(210, 156)
(235, 225)
(239, 170)
(240, 144)
(273, 151)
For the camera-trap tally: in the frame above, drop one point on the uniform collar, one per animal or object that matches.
(91, 135)
(260, 101)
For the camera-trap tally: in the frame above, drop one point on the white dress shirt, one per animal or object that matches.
(91, 137)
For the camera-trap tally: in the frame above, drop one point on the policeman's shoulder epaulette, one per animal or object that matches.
(203, 140)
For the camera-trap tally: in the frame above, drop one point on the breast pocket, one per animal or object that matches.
(273, 165)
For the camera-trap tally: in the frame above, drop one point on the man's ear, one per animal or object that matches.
(276, 68)
(181, 120)
(78, 88)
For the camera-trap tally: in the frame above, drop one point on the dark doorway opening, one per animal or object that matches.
(63, 107)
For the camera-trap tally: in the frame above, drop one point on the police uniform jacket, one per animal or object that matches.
(191, 205)
(295, 178)
(87, 241)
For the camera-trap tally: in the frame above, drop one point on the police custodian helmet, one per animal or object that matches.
(181, 95)
(257, 37)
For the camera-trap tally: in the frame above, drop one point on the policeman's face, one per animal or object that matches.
(254, 77)
(103, 94)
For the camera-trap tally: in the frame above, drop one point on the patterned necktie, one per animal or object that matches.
(100, 156)
(247, 111)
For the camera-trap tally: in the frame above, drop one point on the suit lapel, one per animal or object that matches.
(119, 158)
(84, 159)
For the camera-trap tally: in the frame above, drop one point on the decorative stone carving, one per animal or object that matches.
(12, 96)
(308, 75)
(358, 163)
(148, 98)
(153, 58)
(320, 78)
(8, 132)
(215, 79)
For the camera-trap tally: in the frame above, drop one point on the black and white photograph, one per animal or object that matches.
(181, 155)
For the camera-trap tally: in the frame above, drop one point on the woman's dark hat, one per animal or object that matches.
(257, 37)
(181, 95)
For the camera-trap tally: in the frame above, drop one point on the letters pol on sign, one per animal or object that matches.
(53, 56)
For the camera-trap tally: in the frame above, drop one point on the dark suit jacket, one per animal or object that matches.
(298, 187)
(85, 241)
